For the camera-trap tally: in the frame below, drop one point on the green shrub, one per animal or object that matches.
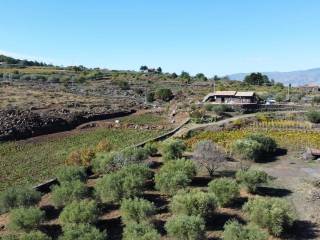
(71, 173)
(275, 214)
(103, 163)
(26, 219)
(182, 227)
(220, 109)
(35, 235)
(193, 202)
(125, 183)
(109, 162)
(175, 175)
(233, 230)
(151, 97)
(82, 232)
(151, 148)
(226, 190)
(68, 192)
(9, 237)
(248, 149)
(18, 197)
(172, 149)
(250, 179)
(136, 210)
(313, 116)
(255, 146)
(140, 231)
(269, 145)
(164, 94)
(85, 211)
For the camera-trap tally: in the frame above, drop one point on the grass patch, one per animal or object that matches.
(144, 119)
(30, 163)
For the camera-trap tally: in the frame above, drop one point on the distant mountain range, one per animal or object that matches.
(296, 78)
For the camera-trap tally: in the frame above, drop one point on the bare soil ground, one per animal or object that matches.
(293, 177)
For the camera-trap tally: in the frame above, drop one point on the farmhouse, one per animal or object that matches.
(231, 97)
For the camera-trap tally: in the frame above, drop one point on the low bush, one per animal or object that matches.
(233, 230)
(164, 94)
(109, 162)
(255, 146)
(151, 148)
(85, 211)
(193, 202)
(18, 197)
(172, 149)
(68, 192)
(125, 183)
(140, 231)
(71, 173)
(150, 97)
(275, 214)
(251, 179)
(313, 116)
(34, 235)
(226, 190)
(82, 232)
(104, 163)
(248, 149)
(183, 227)
(175, 175)
(81, 157)
(26, 219)
(104, 146)
(220, 109)
(9, 237)
(269, 145)
(136, 210)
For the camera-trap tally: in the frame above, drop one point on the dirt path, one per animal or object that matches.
(194, 126)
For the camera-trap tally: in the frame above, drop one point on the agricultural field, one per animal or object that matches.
(294, 140)
(32, 161)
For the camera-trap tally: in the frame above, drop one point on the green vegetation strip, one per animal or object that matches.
(31, 163)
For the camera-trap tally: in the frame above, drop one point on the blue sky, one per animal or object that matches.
(210, 36)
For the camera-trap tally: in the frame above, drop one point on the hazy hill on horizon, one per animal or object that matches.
(296, 78)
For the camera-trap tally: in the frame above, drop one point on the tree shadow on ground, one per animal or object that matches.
(52, 230)
(201, 181)
(218, 220)
(107, 207)
(51, 212)
(273, 157)
(238, 203)
(160, 202)
(273, 192)
(113, 227)
(226, 173)
(303, 230)
(159, 225)
(154, 164)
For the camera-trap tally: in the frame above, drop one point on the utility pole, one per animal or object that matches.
(289, 86)
(214, 85)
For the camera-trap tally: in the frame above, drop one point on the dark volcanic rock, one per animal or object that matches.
(18, 124)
